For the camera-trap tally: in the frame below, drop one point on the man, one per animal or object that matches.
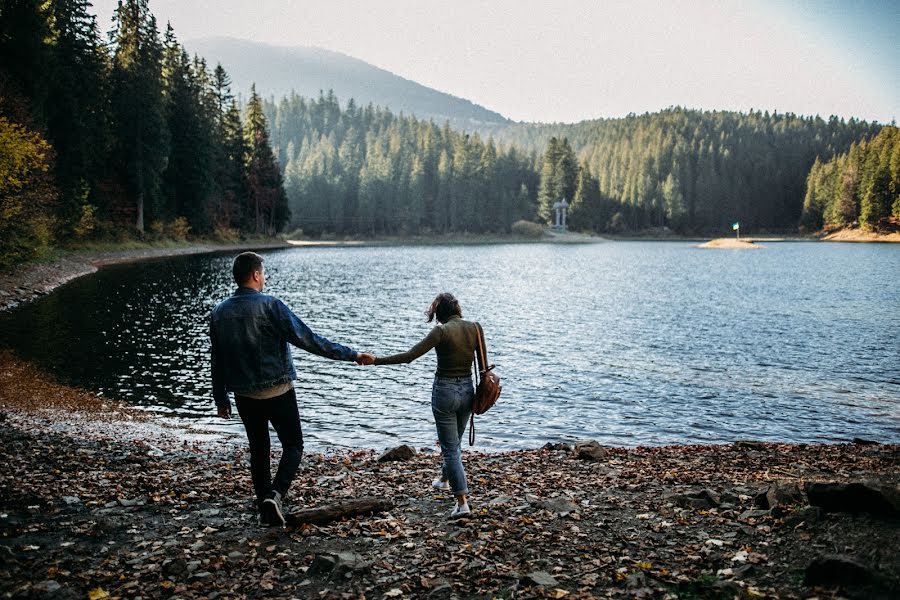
(250, 333)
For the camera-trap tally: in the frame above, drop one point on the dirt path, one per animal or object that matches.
(97, 498)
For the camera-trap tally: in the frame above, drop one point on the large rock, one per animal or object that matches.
(589, 450)
(780, 495)
(403, 452)
(855, 497)
(836, 569)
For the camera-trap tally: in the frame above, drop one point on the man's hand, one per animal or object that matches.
(224, 411)
(364, 358)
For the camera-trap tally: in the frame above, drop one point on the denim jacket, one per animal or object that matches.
(250, 333)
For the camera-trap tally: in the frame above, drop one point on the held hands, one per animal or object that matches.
(224, 411)
(365, 358)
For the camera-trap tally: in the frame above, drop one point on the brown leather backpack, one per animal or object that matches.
(488, 386)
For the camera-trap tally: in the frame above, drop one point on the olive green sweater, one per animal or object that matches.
(454, 343)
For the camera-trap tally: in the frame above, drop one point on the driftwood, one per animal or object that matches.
(333, 512)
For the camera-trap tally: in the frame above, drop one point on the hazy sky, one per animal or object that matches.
(580, 59)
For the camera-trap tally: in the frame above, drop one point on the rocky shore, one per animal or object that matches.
(99, 500)
(39, 279)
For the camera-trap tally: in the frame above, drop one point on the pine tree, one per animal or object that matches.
(266, 190)
(138, 106)
(77, 119)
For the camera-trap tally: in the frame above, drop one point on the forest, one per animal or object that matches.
(121, 138)
(367, 171)
(689, 170)
(860, 186)
(124, 135)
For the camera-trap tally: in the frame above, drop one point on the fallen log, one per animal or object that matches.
(334, 512)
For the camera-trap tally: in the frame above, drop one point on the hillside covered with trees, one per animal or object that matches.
(132, 135)
(693, 171)
(368, 171)
(135, 137)
(860, 186)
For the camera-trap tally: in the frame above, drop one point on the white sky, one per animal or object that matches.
(571, 60)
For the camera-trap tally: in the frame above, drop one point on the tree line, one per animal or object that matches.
(689, 170)
(364, 170)
(860, 186)
(101, 138)
(129, 134)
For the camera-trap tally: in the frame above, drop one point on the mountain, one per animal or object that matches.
(277, 70)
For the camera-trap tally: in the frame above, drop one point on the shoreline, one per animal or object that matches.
(143, 511)
(41, 278)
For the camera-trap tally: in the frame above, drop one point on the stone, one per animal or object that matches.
(636, 580)
(46, 587)
(322, 564)
(443, 591)
(836, 569)
(864, 442)
(589, 450)
(743, 571)
(175, 567)
(560, 505)
(702, 499)
(337, 564)
(402, 452)
(540, 578)
(855, 497)
(70, 500)
(809, 516)
(749, 445)
(500, 500)
(550, 446)
(753, 514)
(779, 494)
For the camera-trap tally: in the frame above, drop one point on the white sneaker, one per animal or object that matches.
(460, 511)
(440, 484)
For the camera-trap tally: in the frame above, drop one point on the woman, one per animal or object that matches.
(454, 341)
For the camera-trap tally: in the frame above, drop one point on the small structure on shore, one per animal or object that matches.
(561, 207)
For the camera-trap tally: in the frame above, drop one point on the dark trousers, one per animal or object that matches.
(281, 411)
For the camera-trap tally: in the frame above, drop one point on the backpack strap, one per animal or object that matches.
(480, 369)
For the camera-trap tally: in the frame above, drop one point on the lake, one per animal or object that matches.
(628, 343)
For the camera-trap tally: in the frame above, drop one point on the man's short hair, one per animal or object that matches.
(245, 265)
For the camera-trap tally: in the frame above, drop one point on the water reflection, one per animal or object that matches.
(627, 343)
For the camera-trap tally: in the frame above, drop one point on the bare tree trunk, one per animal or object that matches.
(140, 179)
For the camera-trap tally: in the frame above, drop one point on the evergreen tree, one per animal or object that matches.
(138, 109)
(77, 119)
(266, 190)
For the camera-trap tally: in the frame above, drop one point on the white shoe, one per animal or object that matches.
(460, 511)
(440, 484)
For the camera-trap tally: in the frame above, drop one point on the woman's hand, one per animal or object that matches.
(364, 358)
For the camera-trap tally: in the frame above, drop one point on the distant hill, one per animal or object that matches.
(277, 70)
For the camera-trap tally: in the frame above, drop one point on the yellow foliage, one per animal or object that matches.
(21, 153)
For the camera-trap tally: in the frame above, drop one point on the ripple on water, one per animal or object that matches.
(626, 343)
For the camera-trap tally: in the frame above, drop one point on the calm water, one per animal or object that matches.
(628, 342)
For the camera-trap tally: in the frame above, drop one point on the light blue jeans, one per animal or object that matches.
(451, 404)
